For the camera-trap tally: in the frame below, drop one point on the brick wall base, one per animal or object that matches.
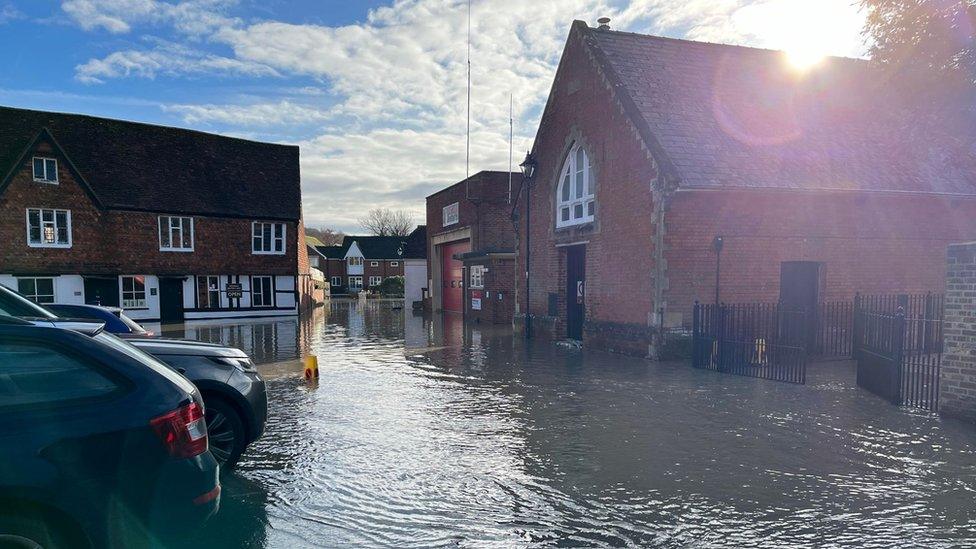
(957, 378)
(619, 337)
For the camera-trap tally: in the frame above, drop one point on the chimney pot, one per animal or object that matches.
(604, 23)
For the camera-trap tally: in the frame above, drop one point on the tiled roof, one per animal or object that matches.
(730, 116)
(136, 166)
(375, 247)
(415, 246)
(332, 252)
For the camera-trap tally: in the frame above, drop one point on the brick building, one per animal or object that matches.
(171, 224)
(362, 262)
(818, 183)
(471, 247)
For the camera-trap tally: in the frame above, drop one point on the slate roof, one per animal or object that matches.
(375, 247)
(137, 166)
(331, 252)
(415, 246)
(730, 116)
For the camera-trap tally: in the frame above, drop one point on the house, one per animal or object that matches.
(669, 171)
(362, 262)
(170, 224)
(415, 266)
(316, 259)
(471, 247)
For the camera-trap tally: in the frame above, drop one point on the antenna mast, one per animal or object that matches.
(467, 151)
(511, 140)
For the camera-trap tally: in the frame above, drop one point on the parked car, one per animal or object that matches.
(101, 445)
(233, 391)
(115, 319)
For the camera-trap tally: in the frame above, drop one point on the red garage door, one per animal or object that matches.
(452, 276)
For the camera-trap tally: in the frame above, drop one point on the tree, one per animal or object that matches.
(386, 222)
(933, 34)
(329, 237)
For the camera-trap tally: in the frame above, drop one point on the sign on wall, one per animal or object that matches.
(475, 303)
(235, 290)
(450, 214)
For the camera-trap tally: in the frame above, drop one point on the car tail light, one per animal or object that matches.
(183, 431)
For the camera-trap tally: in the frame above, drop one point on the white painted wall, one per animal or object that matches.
(152, 301)
(415, 278)
(354, 251)
(68, 289)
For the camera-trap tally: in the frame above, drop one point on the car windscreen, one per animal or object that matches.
(133, 326)
(14, 304)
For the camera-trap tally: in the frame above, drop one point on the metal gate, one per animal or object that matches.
(898, 347)
(765, 340)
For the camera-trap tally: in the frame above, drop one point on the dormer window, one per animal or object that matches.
(575, 197)
(355, 261)
(45, 170)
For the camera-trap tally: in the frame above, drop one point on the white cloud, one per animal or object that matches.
(395, 84)
(8, 13)
(166, 59)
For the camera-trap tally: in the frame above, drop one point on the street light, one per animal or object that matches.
(528, 172)
(528, 166)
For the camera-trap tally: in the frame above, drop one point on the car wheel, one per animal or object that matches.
(225, 432)
(29, 532)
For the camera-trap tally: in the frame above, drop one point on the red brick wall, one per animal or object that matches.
(383, 270)
(500, 279)
(619, 243)
(872, 243)
(114, 241)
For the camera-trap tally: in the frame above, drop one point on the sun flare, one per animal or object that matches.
(805, 56)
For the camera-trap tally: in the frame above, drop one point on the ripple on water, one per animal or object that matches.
(423, 434)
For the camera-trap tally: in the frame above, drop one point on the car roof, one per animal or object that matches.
(107, 308)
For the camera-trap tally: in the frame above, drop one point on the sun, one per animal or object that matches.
(805, 56)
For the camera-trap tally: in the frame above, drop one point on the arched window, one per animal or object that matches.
(575, 202)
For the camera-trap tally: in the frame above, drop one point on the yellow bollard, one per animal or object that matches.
(311, 368)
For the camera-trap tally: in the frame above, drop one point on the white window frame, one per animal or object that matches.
(355, 261)
(265, 280)
(169, 233)
(353, 286)
(32, 297)
(336, 281)
(375, 280)
(135, 302)
(53, 224)
(581, 191)
(257, 234)
(450, 215)
(210, 290)
(46, 176)
(476, 276)
(374, 263)
(394, 264)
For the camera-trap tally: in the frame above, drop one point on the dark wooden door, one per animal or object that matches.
(102, 291)
(170, 300)
(575, 291)
(799, 290)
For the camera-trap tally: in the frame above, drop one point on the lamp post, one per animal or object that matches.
(528, 172)
(717, 244)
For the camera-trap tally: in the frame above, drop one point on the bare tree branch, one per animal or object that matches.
(386, 222)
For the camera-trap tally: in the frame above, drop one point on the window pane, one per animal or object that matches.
(174, 236)
(186, 234)
(578, 211)
(257, 244)
(590, 185)
(51, 171)
(590, 207)
(266, 234)
(62, 234)
(26, 286)
(47, 216)
(34, 218)
(579, 173)
(565, 214)
(45, 286)
(29, 369)
(49, 234)
(279, 229)
(566, 186)
(256, 230)
(61, 218)
(38, 168)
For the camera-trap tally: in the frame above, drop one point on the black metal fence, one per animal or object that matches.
(765, 340)
(898, 347)
(834, 325)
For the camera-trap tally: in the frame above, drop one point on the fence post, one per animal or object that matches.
(898, 353)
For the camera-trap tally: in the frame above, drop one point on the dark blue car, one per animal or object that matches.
(115, 320)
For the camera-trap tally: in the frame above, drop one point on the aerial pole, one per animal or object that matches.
(511, 141)
(467, 151)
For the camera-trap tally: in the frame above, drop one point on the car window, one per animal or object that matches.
(13, 304)
(72, 312)
(133, 326)
(32, 374)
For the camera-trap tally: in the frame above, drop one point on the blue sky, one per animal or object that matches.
(372, 91)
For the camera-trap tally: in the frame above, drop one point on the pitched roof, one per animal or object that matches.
(415, 246)
(731, 116)
(375, 247)
(331, 252)
(136, 166)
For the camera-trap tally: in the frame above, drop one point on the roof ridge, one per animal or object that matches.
(143, 124)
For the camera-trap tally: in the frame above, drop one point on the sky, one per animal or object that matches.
(374, 92)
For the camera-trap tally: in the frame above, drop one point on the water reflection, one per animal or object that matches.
(422, 433)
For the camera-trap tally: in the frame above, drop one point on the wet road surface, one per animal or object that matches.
(422, 434)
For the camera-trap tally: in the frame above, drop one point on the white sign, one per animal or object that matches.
(450, 214)
(475, 303)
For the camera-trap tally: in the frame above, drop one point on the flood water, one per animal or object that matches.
(423, 434)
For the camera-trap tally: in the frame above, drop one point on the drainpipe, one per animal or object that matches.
(717, 244)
